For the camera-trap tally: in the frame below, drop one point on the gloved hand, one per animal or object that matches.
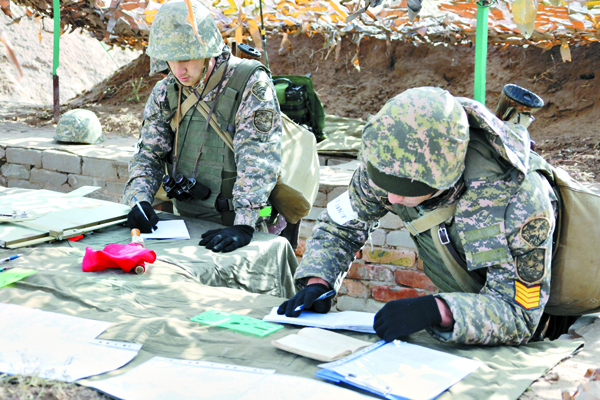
(136, 219)
(306, 296)
(406, 316)
(227, 239)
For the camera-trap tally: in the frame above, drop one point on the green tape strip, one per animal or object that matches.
(265, 212)
(482, 233)
(497, 255)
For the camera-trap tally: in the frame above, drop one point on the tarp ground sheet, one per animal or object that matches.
(154, 309)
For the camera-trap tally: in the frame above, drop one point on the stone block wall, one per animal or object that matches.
(61, 170)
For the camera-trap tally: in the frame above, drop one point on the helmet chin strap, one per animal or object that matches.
(200, 84)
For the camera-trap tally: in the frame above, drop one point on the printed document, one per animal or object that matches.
(400, 370)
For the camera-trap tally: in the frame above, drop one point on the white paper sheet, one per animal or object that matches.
(64, 360)
(166, 379)
(172, 229)
(349, 320)
(24, 323)
(57, 346)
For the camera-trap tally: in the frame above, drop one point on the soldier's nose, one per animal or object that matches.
(395, 199)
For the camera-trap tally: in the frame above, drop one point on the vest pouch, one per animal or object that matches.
(575, 283)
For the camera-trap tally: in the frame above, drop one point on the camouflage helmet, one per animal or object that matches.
(172, 37)
(417, 142)
(79, 126)
(158, 66)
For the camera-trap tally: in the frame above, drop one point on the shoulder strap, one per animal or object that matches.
(231, 97)
(429, 220)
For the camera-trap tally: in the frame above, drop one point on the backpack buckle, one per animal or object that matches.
(443, 235)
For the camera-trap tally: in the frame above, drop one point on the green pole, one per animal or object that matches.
(56, 9)
(110, 55)
(481, 41)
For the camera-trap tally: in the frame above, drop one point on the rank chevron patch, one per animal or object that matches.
(527, 297)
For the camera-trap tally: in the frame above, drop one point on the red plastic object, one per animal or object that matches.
(123, 256)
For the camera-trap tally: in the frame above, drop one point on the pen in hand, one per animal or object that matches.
(324, 296)
(142, 211)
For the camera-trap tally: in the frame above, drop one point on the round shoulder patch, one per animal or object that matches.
(263, 120)
(531, 267)
(262, 91)
(536, 231)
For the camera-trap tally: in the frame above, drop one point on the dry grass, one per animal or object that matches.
(18, 387)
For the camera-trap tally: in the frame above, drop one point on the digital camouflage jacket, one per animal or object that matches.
(502, 227)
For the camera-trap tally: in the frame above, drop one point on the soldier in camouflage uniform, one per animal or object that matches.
(236, 183)
(427, 151)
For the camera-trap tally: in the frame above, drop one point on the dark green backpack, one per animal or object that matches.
(298, 100)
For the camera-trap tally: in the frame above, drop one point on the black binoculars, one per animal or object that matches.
(182, 188)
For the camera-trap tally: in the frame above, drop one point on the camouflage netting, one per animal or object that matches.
(125, 23)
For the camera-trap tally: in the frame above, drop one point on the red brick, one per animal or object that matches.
(387, 256)
(353, 271)
(354, 288)
(301, 248)
(386, 293)
(415, 279)
(420, 264)
(370, 272)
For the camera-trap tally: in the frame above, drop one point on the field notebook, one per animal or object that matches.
(399, 370)
(320, 344)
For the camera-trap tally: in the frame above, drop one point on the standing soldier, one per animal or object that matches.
(465, 185)
(205, 178)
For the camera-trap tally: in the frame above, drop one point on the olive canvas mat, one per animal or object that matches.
(154, 309)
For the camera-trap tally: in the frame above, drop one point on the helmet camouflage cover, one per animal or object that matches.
(172, 37)
(79, 126)
(421, 135)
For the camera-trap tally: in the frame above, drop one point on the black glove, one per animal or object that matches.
(136, 219)
(306, 296)
(403, 317)
(227, 239)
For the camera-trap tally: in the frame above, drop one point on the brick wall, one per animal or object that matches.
(387, 268)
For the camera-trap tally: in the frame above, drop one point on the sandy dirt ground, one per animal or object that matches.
(116, 84)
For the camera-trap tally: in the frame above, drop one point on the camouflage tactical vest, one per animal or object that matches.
(216, 169)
